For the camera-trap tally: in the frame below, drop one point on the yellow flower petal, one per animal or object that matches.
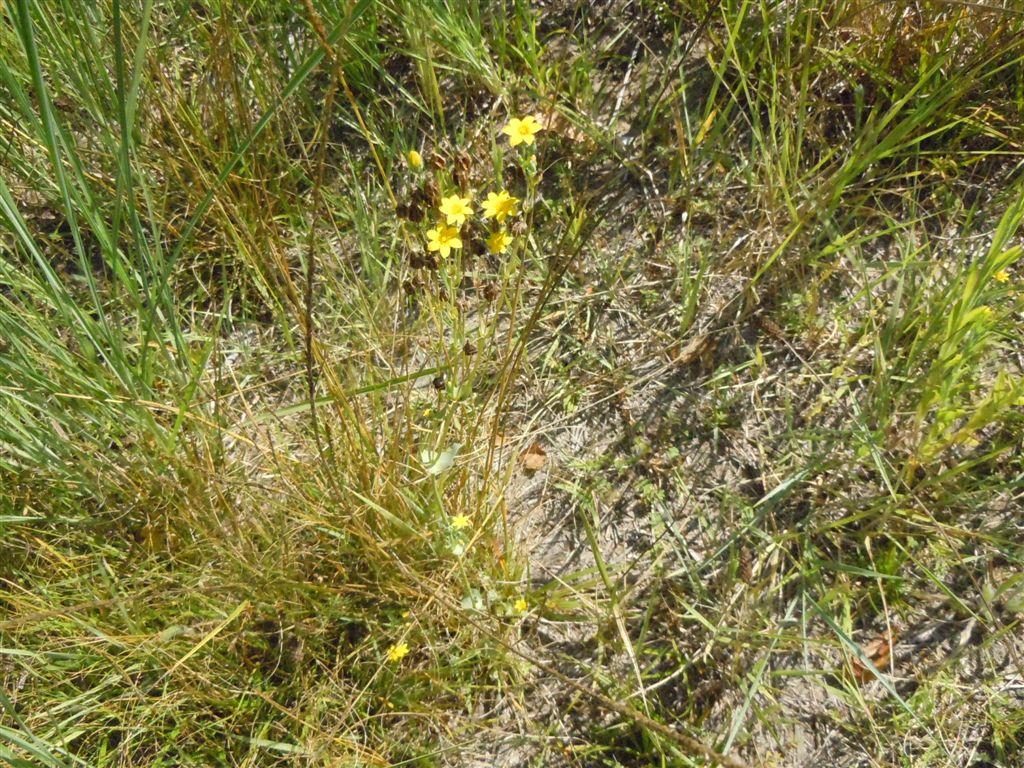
(415, 159)
(397, 652)
(500, 206)
(522, 130)
(456, 209)
(443, 239)
(499, 242)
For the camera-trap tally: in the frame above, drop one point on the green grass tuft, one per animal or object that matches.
(718, 462)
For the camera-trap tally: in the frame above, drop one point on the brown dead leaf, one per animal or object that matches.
(558, 124)
(879, 651)
(534, 457)
(693, 350)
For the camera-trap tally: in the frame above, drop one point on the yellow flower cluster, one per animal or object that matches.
(499, 206)
(397, 652)
(457, 209)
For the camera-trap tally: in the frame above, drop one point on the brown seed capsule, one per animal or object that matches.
(416, 260)
(409, 287)
(414, 209)
(430, 261)
(746, 564)
(469, 349)
(418, 204)
(432, 192)
(463, 164)
(518, 228)
(438, 382)
(437, 161)
(489, 291)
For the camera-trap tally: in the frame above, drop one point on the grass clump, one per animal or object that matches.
(596, 384)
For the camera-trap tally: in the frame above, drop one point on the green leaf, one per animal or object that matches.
(436, 463)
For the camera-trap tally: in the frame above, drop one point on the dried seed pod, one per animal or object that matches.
(432, 191)
(469, 349)
(409, 287)
(430, 261)
(746, 564)
(518, 228)
(413, 210)
(419, 202)
(438, 382)
(437, 161)
(417, 260)
(489, 291)
(463, 165)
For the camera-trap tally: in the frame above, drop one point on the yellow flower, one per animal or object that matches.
(522, 131)
(415, 159)
(461, 521)
(499, 241)
(456, 209)
(1002, 276)
(520, 606)
(443, 239)
(397, 652)
(499, 206)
